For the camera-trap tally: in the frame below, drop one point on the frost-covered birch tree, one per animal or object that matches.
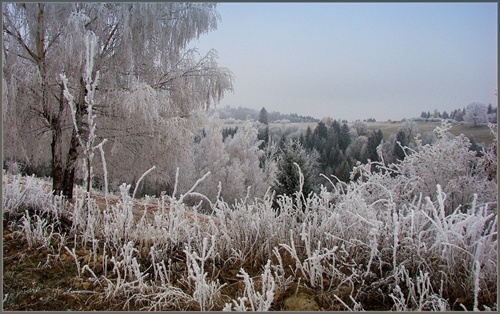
(234, 163)
(32, 39)
(150, 85)
(476, 114)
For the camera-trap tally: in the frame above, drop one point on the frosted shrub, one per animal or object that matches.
(457, 242)
(161, 298)
(130, 279)
(211, 156)
(282, 281)
(256, 235)
(170, 228)
(488, 162)
(244, 152)
(86, 220)
(233, 163)
(448, 162)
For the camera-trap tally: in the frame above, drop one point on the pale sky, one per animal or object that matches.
(357, 60)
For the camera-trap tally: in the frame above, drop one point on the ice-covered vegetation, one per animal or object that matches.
(420, 234)
(128, 67)
(109, 96)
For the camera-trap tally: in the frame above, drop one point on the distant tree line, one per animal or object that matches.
(247, 114)
(475, 113)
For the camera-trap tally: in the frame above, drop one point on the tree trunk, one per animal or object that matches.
(69, 171)
(63, 178)
(57, 168)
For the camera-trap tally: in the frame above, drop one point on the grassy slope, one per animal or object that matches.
(481, 134)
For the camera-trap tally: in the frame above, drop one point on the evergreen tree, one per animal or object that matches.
(436, 114)
(309, 142)
(490, 109)
(475, 147)
(263, 116)
(264, 137)
(374, 141)
(331, 136)
(402, 138)
(302, 139)
(334, 158)
(226, 132)
(287, 175)
(459, 116)
(335, 128)
(321, 130)
(282, 141)
(344, 138)
(343, 173)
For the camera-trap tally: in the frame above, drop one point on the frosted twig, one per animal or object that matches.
(181, 199)
(105, 170)
(140, 179)
(176, 182)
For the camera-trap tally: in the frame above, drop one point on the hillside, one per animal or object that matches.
(385, 234)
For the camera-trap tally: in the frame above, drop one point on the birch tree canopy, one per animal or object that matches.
(150, 84)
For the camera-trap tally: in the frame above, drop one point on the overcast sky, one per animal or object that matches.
(357, 60)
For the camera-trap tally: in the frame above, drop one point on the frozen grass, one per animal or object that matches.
(382, 241)
(259, 301)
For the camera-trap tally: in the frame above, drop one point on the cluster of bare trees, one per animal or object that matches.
(77, 73)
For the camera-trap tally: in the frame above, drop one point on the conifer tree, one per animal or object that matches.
(344, 171)
(263, 136)
(263, 116)
(309, 143)
(374, 141)
(344, 138)
(321, 131)
(402, 138)
(288, 177)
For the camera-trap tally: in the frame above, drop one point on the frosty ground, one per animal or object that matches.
(387, 241)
